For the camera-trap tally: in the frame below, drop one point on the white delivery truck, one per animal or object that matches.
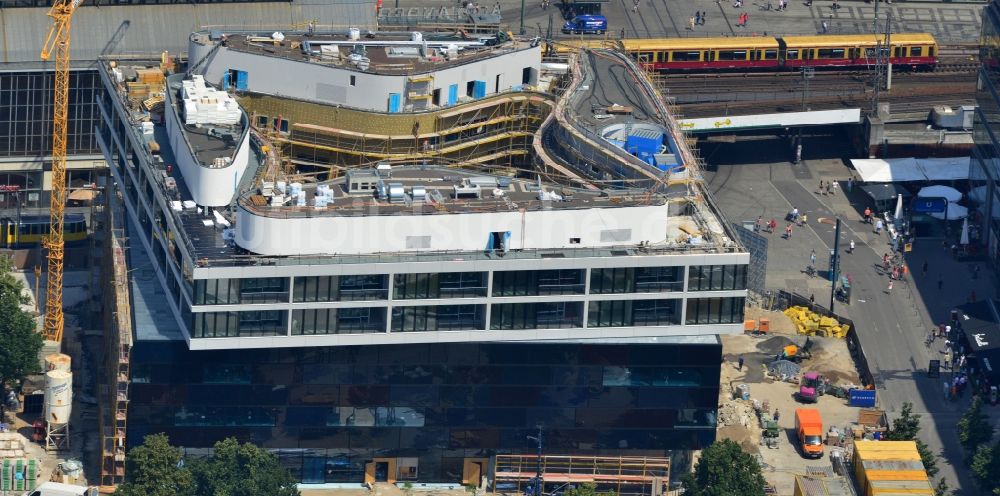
(60, 489)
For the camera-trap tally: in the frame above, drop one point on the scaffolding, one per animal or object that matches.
(494, 131)
(620, 474)
(114, 399)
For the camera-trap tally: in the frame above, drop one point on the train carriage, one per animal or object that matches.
(704, 53)
(30, 230)
(917, 50)
(913, 50)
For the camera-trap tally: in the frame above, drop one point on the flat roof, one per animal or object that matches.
(482, 193)
(393, 53)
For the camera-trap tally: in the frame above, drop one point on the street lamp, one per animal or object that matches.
(538, 485)
(521, 32)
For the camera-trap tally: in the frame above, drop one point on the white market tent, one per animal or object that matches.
(940, 191)
(912, 169)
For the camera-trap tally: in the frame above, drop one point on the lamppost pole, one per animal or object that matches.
(521, 31)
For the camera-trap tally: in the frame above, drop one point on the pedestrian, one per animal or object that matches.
(878, 226)
(794, 215)
(829, 187)
(940, 284)
(888, 289)
(812, 300)
(868, 215)
(902, 271)
(772, 226)
(788, 231)
(894, 274)
(703, 18)
(821, 190)
(697, 18)
(635, 6)
(826, 27)
(757, 223)
(746, 19)
(812, 258)
(777, 415)
(623, 34)
(850, 249)
(690, 22)
(740, 364)
(803, 219)
(923, 269)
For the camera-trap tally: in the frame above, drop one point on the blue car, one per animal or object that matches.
(581, 24)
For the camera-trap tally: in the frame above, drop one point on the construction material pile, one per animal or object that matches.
(737, 412)
(206, 105)
(813, 324)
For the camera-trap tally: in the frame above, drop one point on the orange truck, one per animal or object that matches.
(809, 429)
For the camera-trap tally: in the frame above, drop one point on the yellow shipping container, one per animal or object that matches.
(884, 468)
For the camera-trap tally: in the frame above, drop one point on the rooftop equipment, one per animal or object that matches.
(468, 191)
(396, 193)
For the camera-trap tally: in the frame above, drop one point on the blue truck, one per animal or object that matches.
(583, 24)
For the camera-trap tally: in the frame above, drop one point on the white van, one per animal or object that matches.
(60, 489)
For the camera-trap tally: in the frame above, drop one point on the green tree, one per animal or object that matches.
(942, 489)
(905, 428)
(153, 469)
(587, 489)
(985, 466)
(974, 427)
(236, 469)
(20, 341)
(725, 470)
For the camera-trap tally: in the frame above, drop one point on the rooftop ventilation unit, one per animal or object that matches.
(396, 193)
(419, 193)
(485, 182)
(384, 169)
(468, 191)
(361, 181)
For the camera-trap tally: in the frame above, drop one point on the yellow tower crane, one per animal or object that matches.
(57, 42)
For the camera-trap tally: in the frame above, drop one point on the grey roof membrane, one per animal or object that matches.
(152, 317)
(144, 29)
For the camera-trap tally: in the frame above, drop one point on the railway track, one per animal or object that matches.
(906, 99)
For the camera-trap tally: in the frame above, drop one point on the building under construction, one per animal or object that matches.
(396, 256)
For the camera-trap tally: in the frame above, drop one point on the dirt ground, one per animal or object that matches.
(830, 358)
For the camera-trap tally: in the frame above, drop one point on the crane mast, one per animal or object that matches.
(57, 44)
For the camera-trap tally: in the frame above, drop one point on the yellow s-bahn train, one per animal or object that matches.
(31, 229)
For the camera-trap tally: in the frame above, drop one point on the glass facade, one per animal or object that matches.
(624, 313)
(438, 318)
(538, 282)
(238, 291)
(26, 113)
(984, 170)
(338, 320)
(636, 280)
(714, 311)
(439, 285)
(328, 411)
(717, 277)
(542, 315)
(341, 288)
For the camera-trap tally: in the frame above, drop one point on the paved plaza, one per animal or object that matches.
(948, 21)
(755, 178)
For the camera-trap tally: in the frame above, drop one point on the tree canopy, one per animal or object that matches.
(985, 466)
(155, 469)
(724, 470)
(236, 469)
(20, 341)
(158, 469)
(974, 427)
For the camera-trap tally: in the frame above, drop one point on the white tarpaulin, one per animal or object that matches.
(945, 169)
(911, 169)
(940, 191)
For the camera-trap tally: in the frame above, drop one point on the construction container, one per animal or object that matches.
(810, 485)
(887, 468)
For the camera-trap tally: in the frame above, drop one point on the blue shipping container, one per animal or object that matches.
(864, 398)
